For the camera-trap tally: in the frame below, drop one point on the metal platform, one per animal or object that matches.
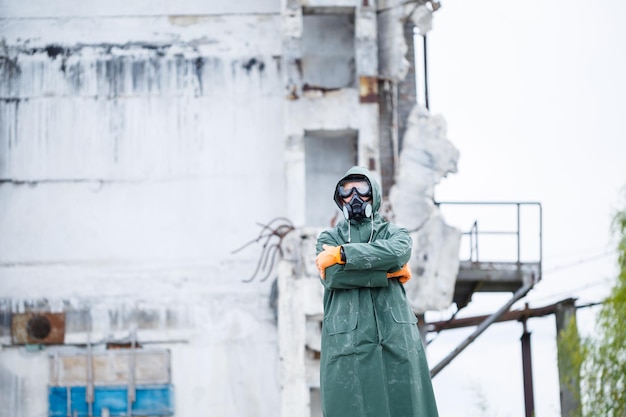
(476, 276)
(503, 223)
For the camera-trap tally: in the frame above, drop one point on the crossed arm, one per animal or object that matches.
(363, 264)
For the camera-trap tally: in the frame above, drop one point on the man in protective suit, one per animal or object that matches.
(372, 363)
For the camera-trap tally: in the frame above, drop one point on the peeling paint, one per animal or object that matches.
(112, 62)
(314, 88)
(111, 76)
(251, 63)
(199, 64)
(54, 50)
(9, 68)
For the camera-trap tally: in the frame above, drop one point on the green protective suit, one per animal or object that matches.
(372, 362)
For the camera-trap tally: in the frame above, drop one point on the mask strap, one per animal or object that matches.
(349, 238)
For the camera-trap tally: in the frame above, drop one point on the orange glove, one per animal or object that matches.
(403, 274)
(330, 256)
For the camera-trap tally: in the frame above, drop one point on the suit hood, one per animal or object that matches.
(357, 171)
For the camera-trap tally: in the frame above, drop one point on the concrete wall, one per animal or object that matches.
(140, 144)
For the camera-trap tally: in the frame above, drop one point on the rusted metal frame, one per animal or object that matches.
(38, 328)
(481, 328)
(515, 315)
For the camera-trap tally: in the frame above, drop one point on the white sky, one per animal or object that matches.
(533, 93)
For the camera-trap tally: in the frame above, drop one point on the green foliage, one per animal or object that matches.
(603, 375)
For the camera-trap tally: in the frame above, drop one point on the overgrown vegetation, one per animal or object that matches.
(601, 358)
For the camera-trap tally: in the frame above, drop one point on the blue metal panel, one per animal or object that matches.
(150, 400)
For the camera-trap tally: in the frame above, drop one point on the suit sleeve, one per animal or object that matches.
(367, 264)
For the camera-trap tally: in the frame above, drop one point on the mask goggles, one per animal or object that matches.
(362, 188)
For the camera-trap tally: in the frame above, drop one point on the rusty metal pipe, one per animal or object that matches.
(527, 368)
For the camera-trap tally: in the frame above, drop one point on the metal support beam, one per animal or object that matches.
(527, 367)
(480, 329)
(516, 315)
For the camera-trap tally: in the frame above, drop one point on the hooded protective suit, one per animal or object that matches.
(372, 363)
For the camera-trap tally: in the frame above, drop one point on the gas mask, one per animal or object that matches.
(355, 189)
(356, 208)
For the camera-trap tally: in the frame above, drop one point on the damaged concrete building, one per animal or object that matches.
(164, 170)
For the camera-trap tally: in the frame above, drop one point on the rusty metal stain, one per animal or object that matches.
(38, 328)
(368, 89)
(187, 20)
(372, 164)
(298, 63)
(293, 93)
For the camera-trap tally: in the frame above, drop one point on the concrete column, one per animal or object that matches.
(569, 372)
